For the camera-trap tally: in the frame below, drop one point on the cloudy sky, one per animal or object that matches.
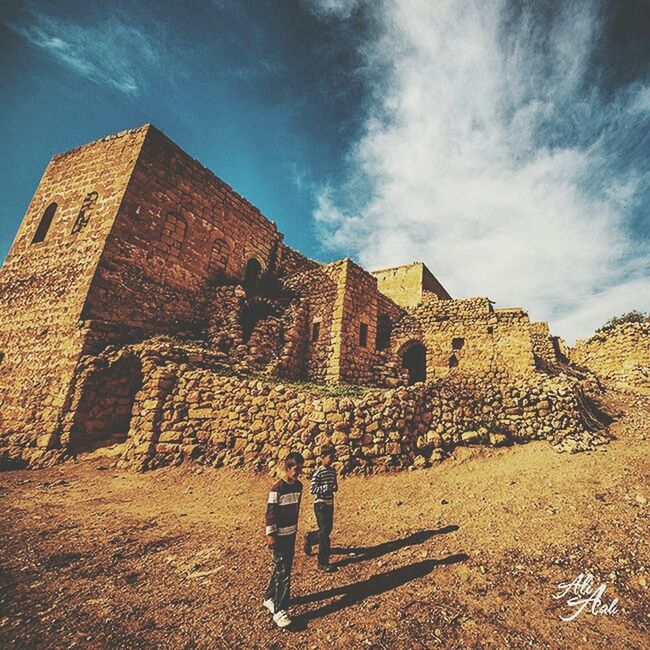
(505, 144)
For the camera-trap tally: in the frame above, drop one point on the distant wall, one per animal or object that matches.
(468, 335)
(621, 355)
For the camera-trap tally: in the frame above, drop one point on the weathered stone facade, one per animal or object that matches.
(128, 238)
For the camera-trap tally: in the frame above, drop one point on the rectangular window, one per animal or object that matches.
(363, 335)
(315, 331)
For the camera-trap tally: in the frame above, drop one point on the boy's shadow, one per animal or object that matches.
(378, 584)
(361, 553)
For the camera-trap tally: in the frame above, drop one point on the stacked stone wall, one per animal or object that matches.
(620, 355)
(188, 409)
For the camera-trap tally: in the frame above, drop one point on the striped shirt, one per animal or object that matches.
(283, 507)
(323, 485)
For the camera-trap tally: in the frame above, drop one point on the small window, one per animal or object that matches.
(453, 361)
(457, 343)
(2, 357)
(252, 275)
(384, 330)
(490, 329)
(363, 335)
(45, 223)
(315, 331)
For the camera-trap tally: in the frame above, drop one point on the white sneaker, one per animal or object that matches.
(281, 619)
(269, 605)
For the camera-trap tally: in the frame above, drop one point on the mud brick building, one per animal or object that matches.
(128, 238)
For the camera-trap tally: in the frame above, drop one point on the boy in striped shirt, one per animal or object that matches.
(323, 485)
(282, 511)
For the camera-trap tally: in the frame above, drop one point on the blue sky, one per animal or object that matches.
(505, 144)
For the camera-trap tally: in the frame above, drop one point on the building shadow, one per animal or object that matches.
(357, 592)
(363, 553)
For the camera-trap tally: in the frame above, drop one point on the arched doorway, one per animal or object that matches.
(252, 275)
(103, 415)
(414, 359)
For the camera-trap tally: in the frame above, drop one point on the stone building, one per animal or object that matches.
(128, 237)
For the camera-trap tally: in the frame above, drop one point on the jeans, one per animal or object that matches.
(280, 584)
(325, 519)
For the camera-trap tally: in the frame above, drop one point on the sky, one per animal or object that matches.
(506, 144)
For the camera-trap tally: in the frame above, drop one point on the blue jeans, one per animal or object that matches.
(280, 585)
(325, 519)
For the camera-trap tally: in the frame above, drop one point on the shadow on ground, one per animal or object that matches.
(359, 591)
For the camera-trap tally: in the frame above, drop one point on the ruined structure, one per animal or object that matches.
(620, 356)
(128, 239)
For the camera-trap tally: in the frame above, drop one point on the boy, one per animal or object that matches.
(281, 525)
(323, 485)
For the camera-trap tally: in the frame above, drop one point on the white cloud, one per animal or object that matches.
(469, 154)
(111, 53)
(339, 8)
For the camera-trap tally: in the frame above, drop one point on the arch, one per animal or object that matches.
(45, 223)
(103, 415)
(413, 356)
(252, 274)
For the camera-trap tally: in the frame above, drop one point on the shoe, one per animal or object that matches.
(281, 619)
(269, 605)
(328, 568)
(307, 545)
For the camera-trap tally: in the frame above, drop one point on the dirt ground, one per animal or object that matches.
(466, 554)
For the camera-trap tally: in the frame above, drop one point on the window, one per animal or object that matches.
(457, 343)
(453, 361)
(363, 335)
(87, 208)
(490, 329)
(2, 357)
(44, 225)
(384, 330)
(315, 331)
(252, 275)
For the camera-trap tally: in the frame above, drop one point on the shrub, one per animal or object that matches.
(633, 316)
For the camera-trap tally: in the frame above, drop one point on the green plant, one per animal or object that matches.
(633, 316)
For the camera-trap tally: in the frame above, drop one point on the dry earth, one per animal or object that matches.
(466, 554)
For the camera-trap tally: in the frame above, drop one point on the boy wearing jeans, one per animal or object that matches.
(282, 511)
(323, 485)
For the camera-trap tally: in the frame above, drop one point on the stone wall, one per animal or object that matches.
(405, 284)
(468, 335)
(180, 229)
(620, 355)
(45, 281)
(185, 404)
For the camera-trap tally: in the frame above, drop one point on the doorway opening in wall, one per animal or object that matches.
(414, 359)
(103, 416)
(252, 275)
